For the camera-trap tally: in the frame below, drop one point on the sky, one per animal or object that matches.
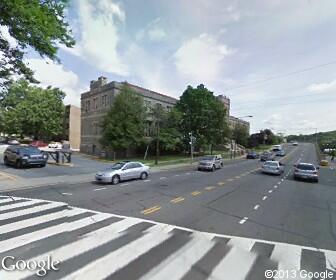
(275, 59)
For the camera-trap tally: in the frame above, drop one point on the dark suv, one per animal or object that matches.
(21, 156)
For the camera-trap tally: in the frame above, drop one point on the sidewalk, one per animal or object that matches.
(24, 183)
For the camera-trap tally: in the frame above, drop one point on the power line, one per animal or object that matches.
(282, 76)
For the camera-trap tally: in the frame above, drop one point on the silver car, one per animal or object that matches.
(210, 162)
(273, 167)
(306, 171)
(122, 171)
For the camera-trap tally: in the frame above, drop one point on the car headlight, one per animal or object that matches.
(45, 156)
(24, 157)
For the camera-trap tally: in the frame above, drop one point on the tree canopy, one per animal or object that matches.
(32, 111)
(240, 134)
(39, 24)
(123, 126)
(203, 115)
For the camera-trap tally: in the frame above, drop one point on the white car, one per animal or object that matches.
(55, 145)
(273, 167)
(122, 171)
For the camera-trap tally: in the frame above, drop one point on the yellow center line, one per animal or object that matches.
(210, 188)
(151, 210)
(196, 193)
(177, 199)
(221, 183)
(8, 176)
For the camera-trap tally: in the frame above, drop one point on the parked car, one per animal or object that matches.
(295, 144)
(265, 156)
(306, 171)
(211, 162)
(55, 145)
(280, 153)
(13, 142)
(276, 148)
(123, 171)
(273, 167)
(252, 155)
(22, 156)
(39, 144)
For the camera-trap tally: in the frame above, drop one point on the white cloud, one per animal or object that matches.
(153, 31)
(323, 87)
(201, 58)
(99, 38)
(52, 74)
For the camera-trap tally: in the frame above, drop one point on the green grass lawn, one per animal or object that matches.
(262, 148)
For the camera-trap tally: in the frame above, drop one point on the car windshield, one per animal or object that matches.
(117, 165)
(305, 167)
(29, 151)
(208, 158)
(271, 163)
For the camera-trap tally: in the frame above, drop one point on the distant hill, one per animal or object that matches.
(322, 137)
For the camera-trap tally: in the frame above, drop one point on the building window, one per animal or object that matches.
(88, 106)
(104, 101)
(95, 103)
(168, 108)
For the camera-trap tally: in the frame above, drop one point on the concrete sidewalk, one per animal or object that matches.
(8, 184)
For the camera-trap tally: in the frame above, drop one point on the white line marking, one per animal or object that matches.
(188, 173)
(256, 207)
(65, 193)
(147, 180)
(282, 180)
(264, 198)
(275, 186)
(177, 175)
(99, 189)
(270, 191)
(243, 220)
(161, 178)
(126, 184)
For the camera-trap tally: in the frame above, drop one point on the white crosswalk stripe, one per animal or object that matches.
(100, 245)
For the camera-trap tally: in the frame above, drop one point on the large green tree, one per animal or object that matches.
(123, 125)
(38, 24)
(240, 134)
(203, 115)
(32, 111)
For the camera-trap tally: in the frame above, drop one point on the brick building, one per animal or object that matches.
(97, 101)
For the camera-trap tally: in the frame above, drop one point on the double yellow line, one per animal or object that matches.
(151, 210)
(177, 199)
(7, 176)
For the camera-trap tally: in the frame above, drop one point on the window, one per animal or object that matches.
(87, 106)
(95, 103)
(104, 100)
(168, 108)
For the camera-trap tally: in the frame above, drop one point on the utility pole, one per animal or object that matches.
(191, 147)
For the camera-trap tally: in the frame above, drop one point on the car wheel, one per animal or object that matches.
(43, 165)
(18, 164)
(143, 176)
(213, 168)
(115, 180)
(5, 161)
(316, 180)
(221, 165)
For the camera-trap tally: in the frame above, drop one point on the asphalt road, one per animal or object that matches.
(237, 200)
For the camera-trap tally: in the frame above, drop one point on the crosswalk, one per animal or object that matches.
(94, 245)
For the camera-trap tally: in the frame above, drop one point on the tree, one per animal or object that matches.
(240, 134)
(38, 24)
(203, 115)
(33, 111)
(123, 126)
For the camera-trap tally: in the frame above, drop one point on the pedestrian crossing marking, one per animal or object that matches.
(239, 257)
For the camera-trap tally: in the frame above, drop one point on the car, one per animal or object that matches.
(273, 167)
(295, 143)
(23, 156)
(13, 142)
(210, 162)
(280, 153)
(252, 155)
(276, 148)
(122, 171)
(306, 171)
(39, 144)
(55, 145)
(265, 156)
